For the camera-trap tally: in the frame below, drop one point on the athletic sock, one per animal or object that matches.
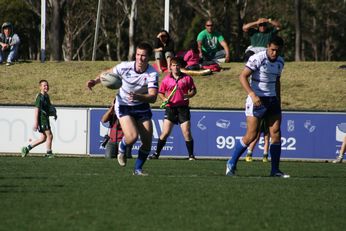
(122, 146)
(189, 146)
(275, 153)
(128, 151)
(29, 147)
(239, 149)
(249, 153)
(142, 157)
(160, 145)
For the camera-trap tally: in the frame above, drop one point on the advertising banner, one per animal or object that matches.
(304, 135)
(69, 130)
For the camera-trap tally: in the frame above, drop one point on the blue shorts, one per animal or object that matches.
(270, 106)
(140, 112)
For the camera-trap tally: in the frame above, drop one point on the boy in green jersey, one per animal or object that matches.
(43, 109)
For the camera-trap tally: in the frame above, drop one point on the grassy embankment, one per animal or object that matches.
(305, 85)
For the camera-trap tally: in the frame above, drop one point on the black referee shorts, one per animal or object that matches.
(179, 114)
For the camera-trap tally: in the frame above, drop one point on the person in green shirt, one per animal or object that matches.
(260, 32)
(43, 109)
(209, 42)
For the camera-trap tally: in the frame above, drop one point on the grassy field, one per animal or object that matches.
(96, 194)
(305, 85)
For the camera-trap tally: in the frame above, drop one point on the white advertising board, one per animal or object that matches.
(69, 130)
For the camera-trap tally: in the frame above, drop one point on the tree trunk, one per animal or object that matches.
(241, 12)
(298, 39)
(132, 19)
(118, 43)
(68, 45)
(57, 29)
(315, 41)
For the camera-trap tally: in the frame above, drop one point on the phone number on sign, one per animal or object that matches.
(229, 142)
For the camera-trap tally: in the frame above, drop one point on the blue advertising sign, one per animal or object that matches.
(304, 135)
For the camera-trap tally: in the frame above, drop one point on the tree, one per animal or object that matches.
(57, 28)
(311, 29)
(298, 40)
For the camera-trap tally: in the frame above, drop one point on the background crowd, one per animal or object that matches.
(312, 30)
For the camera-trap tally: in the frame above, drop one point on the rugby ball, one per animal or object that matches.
(111, 80)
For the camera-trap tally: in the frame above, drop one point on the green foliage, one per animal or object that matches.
(322, 25)
(96, 194)
(192, 32)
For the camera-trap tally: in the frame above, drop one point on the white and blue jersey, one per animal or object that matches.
(265, 73)
(135, 82)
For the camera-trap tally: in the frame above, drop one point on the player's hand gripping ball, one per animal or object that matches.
(111, 80)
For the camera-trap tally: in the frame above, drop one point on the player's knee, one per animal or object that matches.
(43, 139)
(164, 135)
(131, 138)
(249, 138)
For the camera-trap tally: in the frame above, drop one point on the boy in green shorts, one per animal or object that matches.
(43, 109)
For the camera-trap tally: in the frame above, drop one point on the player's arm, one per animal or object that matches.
(36, 118)
(191, 93)
(92, 82)
(162, 96)
(278, 89)
(244, 81)
(150, 97)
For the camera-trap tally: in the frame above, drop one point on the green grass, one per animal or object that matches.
(96, 194)
(305, 85)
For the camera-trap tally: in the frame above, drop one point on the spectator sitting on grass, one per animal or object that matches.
(192, 57)
(164, 50)
(209, 42)
(9, 43)
(260, 34)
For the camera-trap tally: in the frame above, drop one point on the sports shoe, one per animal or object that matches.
(153, 156)
(265, 158)
(121, 159)
(24, 151)
(49, 155)
(248, 158)
(139, 172)
(280, 174)
(230, 169)
(9, 63)
(338, 160)
(192, 157)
